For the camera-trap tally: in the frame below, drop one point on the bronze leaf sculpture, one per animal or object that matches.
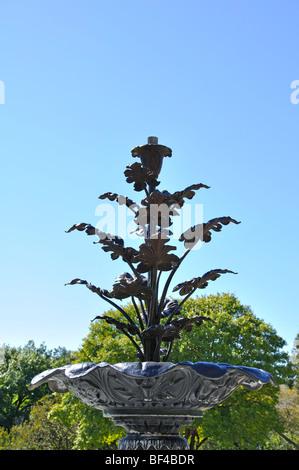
(152, 398)
(155, 321)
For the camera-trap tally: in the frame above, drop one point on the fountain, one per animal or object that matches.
(152, 398)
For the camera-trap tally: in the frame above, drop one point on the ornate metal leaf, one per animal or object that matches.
(154, 331)
(176, 199)
(89, 229)
(169, 307)
(187, 323)
(127, 285)
(117, 248)
(90, 286)
(200, 282)
(154, 212)
(172, 331)
(156, 218)
(133, 329)
(115, 244)
(112, 243)
(188, 192)
(179, 196)
(140, 176)
(154, 253)
(203, 231)
(157, 197)
(152, 156)
(120, 199)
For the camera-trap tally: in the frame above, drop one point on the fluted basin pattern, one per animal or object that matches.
(151, 399)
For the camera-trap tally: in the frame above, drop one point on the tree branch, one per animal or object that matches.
(288, 440)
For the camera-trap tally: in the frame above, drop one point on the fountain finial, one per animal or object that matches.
(152, 154)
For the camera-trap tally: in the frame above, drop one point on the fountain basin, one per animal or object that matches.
(152, 400)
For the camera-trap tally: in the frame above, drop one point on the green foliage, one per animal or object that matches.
(288, 408)
(247, 420)
(20, 365)
(238, 337)
(93, 431)
(243, 421)
(105, 343)
(40, 432)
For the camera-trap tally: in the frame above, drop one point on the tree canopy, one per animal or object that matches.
(235, 336)
(245, 420)
(19, 366)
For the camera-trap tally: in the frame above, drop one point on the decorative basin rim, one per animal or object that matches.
(150, 369)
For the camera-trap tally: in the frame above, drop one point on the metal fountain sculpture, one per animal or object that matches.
(152, 398)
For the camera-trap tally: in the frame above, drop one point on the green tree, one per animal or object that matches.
(295, 360)
(236, 336)
(40, 432)
(104, 343)
(93, 431)
(288, 409)
(19, 366)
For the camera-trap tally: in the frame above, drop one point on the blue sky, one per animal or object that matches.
(85, 82)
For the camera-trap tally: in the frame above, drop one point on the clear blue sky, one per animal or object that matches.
(87, 81)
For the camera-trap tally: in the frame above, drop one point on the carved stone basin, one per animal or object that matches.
(152, 400)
